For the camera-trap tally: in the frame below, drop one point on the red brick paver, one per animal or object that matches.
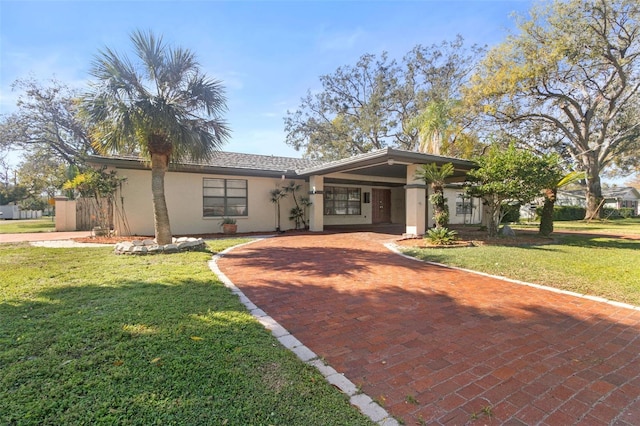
(441, 346)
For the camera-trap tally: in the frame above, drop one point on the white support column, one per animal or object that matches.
(416, 193)
(316, 210)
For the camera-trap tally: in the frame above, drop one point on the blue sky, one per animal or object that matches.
(267, 53)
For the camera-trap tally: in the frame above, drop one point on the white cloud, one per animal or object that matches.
(339, 40)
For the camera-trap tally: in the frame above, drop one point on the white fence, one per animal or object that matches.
(14, 212)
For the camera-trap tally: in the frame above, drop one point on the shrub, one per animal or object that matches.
(624, 212)
(565, 212)
(511, 212)
(441, 236)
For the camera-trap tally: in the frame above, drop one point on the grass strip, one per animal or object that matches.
(27, 225)
(606, 267)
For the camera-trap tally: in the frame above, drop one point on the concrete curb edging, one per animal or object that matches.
(394, 248)
(363, 402)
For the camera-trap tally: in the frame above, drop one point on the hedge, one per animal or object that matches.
(565, 212)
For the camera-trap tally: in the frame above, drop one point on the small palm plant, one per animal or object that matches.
(277, 194)
(441, 236)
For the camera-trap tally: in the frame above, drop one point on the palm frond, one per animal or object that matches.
(570, 178)
(164, 105)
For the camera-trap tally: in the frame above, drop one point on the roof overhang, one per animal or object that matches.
(386, 166)
(138, 164)
(387, 163)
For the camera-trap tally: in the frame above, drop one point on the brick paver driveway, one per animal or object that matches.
(440, 346)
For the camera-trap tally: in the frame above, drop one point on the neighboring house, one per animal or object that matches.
(372, 188)
(622, 197)
(614, 198)
(575, 197)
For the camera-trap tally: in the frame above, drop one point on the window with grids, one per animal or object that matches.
(341, 200)
(224, 197)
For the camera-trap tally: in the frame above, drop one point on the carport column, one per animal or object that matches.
(416, 193)
(316, 210)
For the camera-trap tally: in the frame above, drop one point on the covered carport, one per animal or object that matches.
(396, 196)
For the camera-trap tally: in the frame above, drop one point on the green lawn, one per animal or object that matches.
(27, 225)
(606, 267)
(87, 337)
(630, 226)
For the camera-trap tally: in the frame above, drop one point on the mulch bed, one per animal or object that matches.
(472, 237)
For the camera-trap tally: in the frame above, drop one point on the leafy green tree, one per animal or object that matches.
(571, 77)
(46, 121)
(165, 107)
(436, 176)
(100, 186)
(370, 105)
(507, 175)
(550, 193)
(10, 193)
(41, 173)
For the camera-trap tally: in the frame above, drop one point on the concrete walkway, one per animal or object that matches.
(441, 346)
(42, 236)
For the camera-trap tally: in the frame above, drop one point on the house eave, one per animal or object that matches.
(139, 164)
(385, 156)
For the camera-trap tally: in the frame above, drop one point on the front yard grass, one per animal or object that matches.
(27, 225)
(599, 266)
(87, 337)
(629, 226)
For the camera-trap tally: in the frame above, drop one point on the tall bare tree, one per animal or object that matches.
(371, 104)
(46, 120)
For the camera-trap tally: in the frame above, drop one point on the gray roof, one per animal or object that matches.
(258, 162)
(620, 192)
(383, 162)
(222, 162)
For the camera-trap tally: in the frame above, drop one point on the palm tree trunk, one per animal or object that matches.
(159, 163)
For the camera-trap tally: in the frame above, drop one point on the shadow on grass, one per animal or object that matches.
(183, 351)
(596, 241)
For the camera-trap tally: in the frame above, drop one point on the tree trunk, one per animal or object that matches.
(546, 218)
(159, 163)
(594, 189)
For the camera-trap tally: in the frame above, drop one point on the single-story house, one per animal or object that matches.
(373, 188)
(622, 197)
(574, 197)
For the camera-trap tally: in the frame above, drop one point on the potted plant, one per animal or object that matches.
(229, 225)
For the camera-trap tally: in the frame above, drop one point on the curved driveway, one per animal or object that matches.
(441, 346)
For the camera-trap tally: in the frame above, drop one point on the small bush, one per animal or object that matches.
(511, 213)
(441, 236)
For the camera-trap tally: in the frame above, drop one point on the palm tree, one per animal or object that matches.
(278, 194)
(434, 126)
(436, 176)
(550, 194)
(165, 107)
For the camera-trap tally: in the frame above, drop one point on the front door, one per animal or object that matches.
(381, 205)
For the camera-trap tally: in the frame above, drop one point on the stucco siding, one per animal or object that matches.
(184, 195)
